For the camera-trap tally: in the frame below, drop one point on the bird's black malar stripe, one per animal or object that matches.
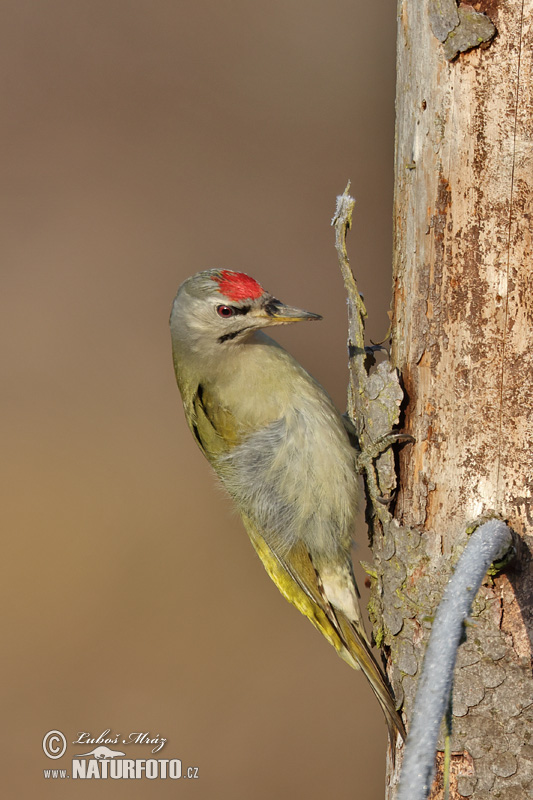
(228, 336)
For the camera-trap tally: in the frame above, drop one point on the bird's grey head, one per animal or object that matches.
(219, 308)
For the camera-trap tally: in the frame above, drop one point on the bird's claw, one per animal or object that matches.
(385, 499)
(373, 451)
(366, 458)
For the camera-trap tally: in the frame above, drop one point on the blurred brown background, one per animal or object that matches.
(144, 141)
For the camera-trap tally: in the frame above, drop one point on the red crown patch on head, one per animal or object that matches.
(238, 286)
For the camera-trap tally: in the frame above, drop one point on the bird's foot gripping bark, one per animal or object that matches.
(375, 449)
(366, 460)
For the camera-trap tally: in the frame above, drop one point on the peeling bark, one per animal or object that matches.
(462, 326)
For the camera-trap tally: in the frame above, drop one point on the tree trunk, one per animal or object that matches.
(462, 327)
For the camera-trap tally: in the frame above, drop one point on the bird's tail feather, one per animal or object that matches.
(360, 651)
(297, 580)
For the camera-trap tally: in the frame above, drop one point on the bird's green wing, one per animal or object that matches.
(295, 576)
(213, 426)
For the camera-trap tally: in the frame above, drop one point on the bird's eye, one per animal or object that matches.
(225, 311)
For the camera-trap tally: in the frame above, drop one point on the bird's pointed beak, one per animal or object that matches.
(277, 313)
